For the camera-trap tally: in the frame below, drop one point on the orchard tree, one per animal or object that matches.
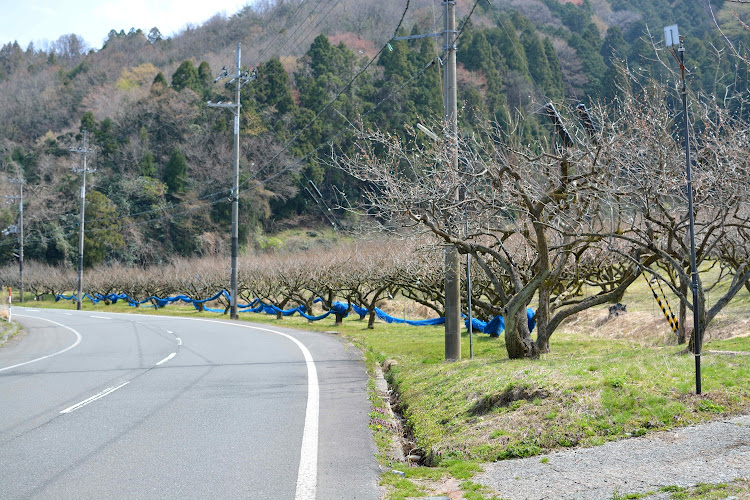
(520, 215)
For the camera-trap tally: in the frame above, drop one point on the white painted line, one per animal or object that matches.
(179, 341)
(166, 359)
(32, 310)
(93, 398)
(78, 341)
(68, 314)
(169, 331)
(307, 475)
(99, 317)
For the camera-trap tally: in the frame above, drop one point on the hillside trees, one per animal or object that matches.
(102, 236)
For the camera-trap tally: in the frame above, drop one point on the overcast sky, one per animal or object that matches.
(39, 20)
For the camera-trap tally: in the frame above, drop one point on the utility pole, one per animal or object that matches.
(452, 262)
(672, 38)
(84, 151)
(20, 183)
(240, 78)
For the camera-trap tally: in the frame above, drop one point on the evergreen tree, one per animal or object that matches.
(176, 173)
(272, 89)
(159, 80)
(88, 123)
(593, 64)
(478, 54)
(186, 76)
(205, 78)
(103, 236)
(537, 59)
(148, 165)
(614, 46)
(555, 90)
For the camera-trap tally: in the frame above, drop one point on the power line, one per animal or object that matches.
(259, 58)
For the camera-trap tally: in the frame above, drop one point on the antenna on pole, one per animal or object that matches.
(671, 39)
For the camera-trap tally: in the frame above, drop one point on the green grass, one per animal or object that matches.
(590, 389)
(738, 489)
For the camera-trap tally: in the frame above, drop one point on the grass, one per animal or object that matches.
(736, 489)
(601, 382)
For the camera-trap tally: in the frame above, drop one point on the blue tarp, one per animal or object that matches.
(496, 325)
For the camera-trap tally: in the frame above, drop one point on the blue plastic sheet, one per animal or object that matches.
(342, 309)
(496, 325)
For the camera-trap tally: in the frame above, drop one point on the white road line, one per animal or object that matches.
(93, 398)
(169, 331)
(166, 359)
(68, 314)
(179, 341)
(307, 475)
(78, 341)
(99, 317)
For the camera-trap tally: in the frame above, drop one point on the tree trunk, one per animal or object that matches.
(542, 321)
(681, 330)
(371, 321)
(339, 319)
(518, 341)
(701, 321)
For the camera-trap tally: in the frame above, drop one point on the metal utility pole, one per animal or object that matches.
(452, 262)
(672, 38)
(240, 78)
(20, 183)
(85, 152)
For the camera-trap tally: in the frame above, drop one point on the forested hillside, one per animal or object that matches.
(163, 157)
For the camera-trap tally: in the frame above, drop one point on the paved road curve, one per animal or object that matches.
(127, 406)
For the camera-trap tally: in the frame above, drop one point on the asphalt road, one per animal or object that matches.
(99, 405)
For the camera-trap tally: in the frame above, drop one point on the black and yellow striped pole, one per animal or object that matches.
(673, 322)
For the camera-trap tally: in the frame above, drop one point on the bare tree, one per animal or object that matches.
(645, 180)
(525, 211)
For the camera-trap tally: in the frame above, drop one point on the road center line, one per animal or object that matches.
(166, 359)
(100, 317)
(78, 341)
(179, 341)
(93, 398)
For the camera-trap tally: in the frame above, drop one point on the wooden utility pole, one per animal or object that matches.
(452, 261)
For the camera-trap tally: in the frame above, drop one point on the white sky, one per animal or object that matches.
(46, 20)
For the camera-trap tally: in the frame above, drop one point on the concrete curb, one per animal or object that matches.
(8, 331)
